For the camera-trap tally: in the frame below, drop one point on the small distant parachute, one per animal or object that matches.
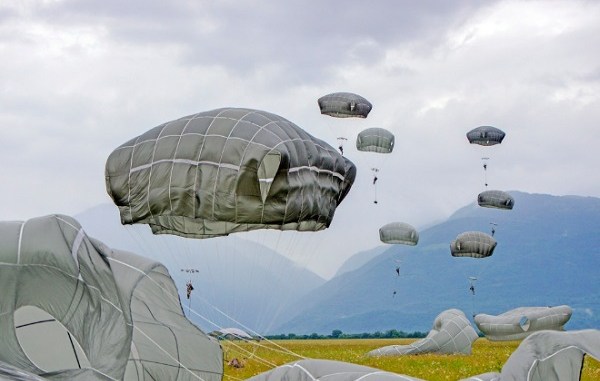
(227, 170)
(375, 139)
(473, 244)
(495, 199)
(485, 136)
(344, 105)
(399, 233)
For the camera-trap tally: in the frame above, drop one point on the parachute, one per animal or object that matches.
(227, 170)
(344, 105)
(473, 244)
(521, 322)
(375, 139)
(451, 333)
(399, 233)
(107, 314)
(495, 199)
(548, 356)
(485, 136)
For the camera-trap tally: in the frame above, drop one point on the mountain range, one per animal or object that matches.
(548, 253)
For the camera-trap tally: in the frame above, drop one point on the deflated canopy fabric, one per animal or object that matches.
(399, 233)
(520, 322)
(473, 244)
(495, 199)
(232, 333)
(227, 170)
(451, 333)
(344, 105)
(375, 139)
(327, 370)
(485, 136)
(548, 356)
(73, 309)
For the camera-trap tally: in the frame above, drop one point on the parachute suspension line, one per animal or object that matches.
(341, 141)
(472, 280)
(485, 165)
(160, 286)
(168, 354)
(375, 178)
(251, 354)
(283, 349)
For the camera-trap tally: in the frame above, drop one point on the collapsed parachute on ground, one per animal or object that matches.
(73, 309)
(451, 333)
(485, 136)
(473, 244)
(548, 356)
(523, 321)
(398, 233)
(344, 105)
(375, 139)
(495, 199)
(232, 333)
(329, 370)
(227, 170)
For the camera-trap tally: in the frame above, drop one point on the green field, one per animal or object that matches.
(487, 356)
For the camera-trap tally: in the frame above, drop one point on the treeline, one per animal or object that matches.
(337, 334)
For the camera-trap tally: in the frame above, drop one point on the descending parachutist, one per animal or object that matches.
(374, 179)
(341, 148)
(189, 288)
(398, 270)
(472, 288)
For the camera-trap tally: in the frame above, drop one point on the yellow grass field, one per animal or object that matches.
(487, 356)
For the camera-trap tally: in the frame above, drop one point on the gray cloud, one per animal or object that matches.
(82, 77)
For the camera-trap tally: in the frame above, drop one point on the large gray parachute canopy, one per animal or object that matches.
(375, 139)
(73, 309)
(520, 322)
(344, 105)
(548, 356)
(451, 333)
(495, 199)
(485, 136)
(328, 370)
(225, 171)
(473, 244)
(398, 233)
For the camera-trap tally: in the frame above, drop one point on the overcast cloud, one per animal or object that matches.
(79, 78)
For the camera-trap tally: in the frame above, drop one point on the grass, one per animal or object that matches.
(487, 356)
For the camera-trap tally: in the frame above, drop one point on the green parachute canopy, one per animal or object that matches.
(375, 139)
(485, 136)
(227, 170)
(473, 244)
(344, 105)
(399, 233)
(74, 309)
(495, 199)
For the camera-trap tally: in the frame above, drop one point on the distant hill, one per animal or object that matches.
(239, 278)
(359, 259)
(548, 253)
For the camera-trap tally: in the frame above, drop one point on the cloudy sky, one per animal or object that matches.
(80, 77)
